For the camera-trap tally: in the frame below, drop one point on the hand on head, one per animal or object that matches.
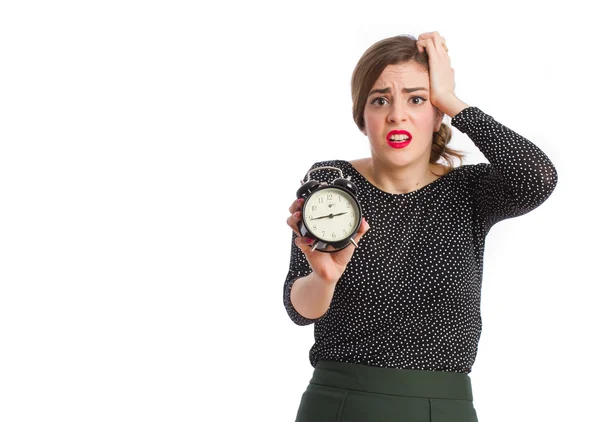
(441, 74)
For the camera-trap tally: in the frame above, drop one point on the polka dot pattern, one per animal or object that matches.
(410, 296)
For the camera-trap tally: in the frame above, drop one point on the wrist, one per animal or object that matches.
(323, 279)
(450, 105)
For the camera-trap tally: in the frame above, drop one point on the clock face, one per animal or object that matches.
(331, 214)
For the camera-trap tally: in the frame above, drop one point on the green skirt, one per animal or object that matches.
(345, 392)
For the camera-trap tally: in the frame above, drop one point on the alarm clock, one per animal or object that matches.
(331, 214)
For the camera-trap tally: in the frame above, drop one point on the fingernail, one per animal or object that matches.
(299, 200)
(297, 214)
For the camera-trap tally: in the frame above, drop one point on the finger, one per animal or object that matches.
(304, 243)
(433, 35)
(293, 221)
(432, 48)
(420, 39)
(364, 228)
(425, 35)
(427, 44)
(438, 41)
(296, 205)
(441, 41)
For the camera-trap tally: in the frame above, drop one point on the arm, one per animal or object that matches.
(306, 298)
(519, 178)
(311, 296)
(310, 299)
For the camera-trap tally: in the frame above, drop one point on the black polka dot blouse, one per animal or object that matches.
(410, 296)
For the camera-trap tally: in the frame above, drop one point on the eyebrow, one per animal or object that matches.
(404, 90)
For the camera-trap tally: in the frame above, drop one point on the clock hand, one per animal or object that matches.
(329, 216)
(341, 213)
(323, 216)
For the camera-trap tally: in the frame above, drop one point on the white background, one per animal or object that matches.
(149, 153)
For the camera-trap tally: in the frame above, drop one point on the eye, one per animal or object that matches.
(379, 101)
(418, 98)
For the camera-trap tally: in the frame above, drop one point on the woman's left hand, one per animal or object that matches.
(441, 75)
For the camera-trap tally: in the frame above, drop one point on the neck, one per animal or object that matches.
(402, 180)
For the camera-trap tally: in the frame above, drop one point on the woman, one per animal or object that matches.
(397, 319)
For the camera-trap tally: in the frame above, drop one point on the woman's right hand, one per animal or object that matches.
(327, 266)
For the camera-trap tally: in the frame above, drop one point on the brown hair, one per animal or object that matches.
(395, 50)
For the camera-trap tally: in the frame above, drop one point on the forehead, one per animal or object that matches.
(404, 75)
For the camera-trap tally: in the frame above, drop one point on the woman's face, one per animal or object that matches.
(399, 117)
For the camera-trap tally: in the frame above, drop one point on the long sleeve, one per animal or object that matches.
(519, 177)
(299, 267)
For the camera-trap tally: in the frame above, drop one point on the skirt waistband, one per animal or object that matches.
(398, 382)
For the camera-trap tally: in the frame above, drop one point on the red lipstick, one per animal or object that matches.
(399, 144)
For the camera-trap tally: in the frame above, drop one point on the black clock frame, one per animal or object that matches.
(311, 187)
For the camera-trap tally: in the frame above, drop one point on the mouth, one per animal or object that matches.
(399, 138)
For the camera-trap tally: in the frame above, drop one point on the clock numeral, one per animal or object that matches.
(333, 235)
(347, 204)
(352, 214)
(329, 197)
(320, 200)
(313, 208)
(345, 232)
(323, 233)
(310, 217)
(314, 226)
(350, 224)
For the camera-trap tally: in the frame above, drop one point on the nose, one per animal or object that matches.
(397, 113)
